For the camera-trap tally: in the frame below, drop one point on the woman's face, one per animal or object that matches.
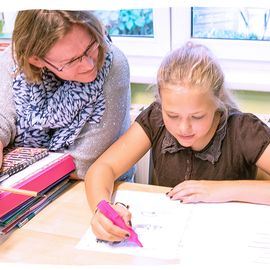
(74, 57)
(189, 115)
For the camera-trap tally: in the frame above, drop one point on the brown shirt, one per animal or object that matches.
(230, 155)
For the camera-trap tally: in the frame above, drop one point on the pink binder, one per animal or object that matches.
(36, 177)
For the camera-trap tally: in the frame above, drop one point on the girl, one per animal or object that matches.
(196, 133)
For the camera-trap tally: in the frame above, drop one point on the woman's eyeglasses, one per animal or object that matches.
(87, 53)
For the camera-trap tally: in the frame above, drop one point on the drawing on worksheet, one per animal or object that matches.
(158, 221)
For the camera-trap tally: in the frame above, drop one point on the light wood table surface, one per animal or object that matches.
(51, 236)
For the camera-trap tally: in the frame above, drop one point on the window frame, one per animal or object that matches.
(145, 46)
(243, 50)
(145, 54)
(245, 66)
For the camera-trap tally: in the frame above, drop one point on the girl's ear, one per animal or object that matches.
(36, 61)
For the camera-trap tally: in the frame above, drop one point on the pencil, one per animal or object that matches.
(20, 191)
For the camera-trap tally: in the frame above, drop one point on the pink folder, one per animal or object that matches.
(36, 177)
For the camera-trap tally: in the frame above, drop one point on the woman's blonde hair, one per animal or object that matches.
(193, 66)
(36, 31)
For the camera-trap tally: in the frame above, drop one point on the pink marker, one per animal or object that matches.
(105, 208)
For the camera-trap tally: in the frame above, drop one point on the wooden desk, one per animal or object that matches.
(51, 236)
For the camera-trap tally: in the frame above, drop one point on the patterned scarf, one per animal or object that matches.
(51, 114)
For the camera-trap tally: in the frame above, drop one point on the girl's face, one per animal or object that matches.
(189, 115)
(76, 54)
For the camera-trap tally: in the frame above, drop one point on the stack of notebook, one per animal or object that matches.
(43, 173)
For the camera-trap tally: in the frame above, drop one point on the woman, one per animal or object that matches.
(71, 90)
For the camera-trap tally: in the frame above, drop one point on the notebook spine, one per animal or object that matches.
(16, 168)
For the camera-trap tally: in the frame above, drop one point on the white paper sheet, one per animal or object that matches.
(201, 236)
(227, 236)
(158, 221)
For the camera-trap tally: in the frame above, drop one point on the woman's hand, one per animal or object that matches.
(193, 191)
(104, 229)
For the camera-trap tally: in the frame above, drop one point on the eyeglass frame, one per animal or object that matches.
(94, 44)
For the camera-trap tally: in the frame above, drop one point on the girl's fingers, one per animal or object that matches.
(194, 198)
(186, 192)
(124, 213)
(104, 229)
(182, 186)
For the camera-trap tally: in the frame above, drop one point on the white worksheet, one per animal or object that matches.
(227, 236)
(158, 221)
(201, 236)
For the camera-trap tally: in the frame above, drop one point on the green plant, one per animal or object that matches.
(2, 21)
(128, 22)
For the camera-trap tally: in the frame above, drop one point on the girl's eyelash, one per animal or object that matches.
(193, 117)
(197, 117)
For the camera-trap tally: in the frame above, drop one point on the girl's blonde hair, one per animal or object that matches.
(193, 66)
(36, 31)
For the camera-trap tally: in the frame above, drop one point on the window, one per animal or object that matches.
(239, 37)
(155, 44)
(144, 51)
(246, 63)
(128, 22)
(6, 24)
(230, 23)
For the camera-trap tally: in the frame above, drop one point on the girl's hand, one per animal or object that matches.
(104, 229)
(193, 191)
